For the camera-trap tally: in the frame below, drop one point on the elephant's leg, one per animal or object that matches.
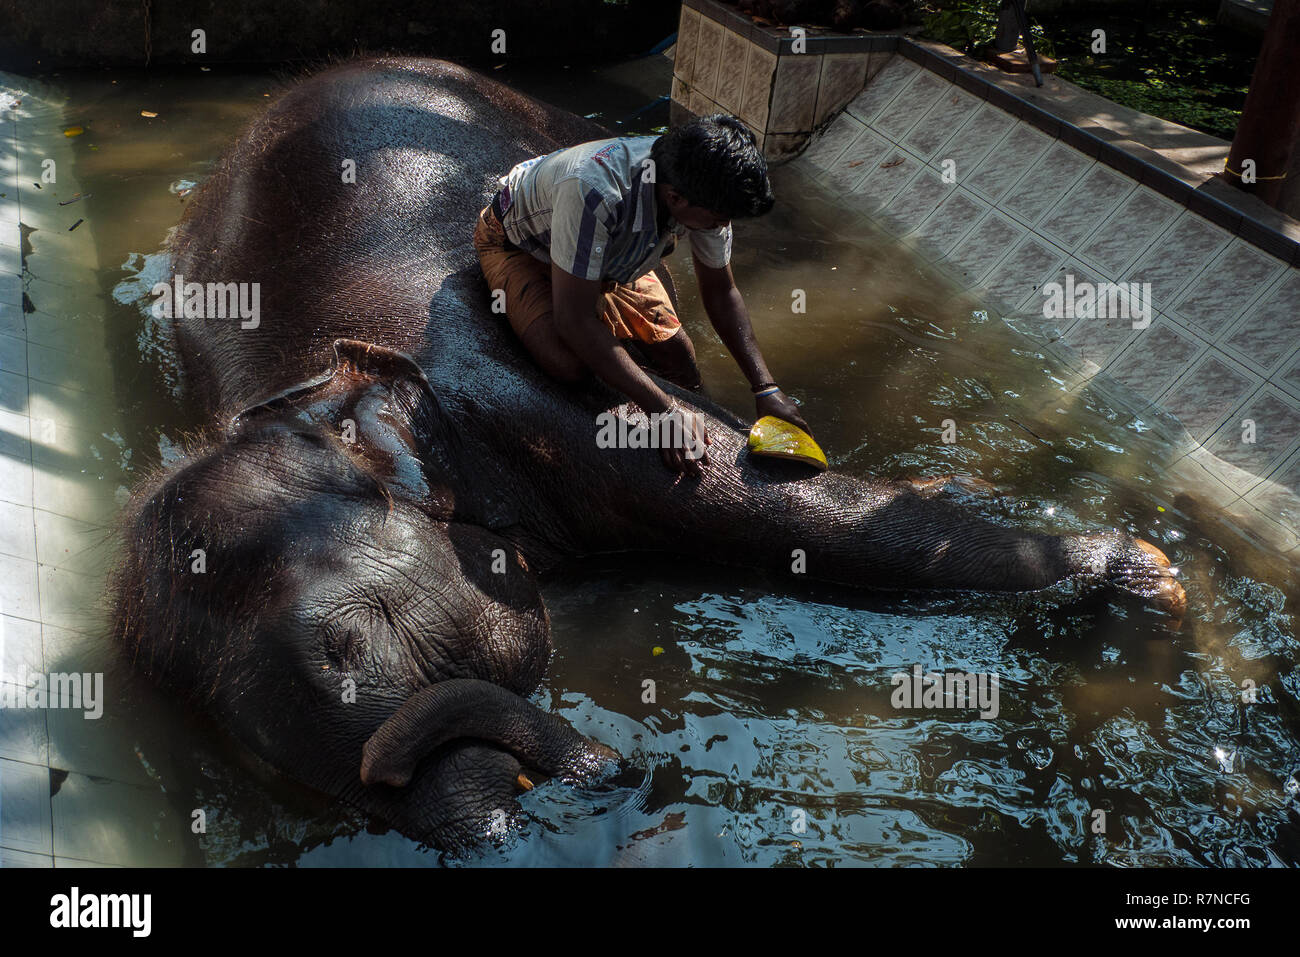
(861, 532)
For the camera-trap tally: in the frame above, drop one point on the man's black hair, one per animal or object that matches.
(714, 161)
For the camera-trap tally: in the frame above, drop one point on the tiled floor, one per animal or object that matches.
(59, 488)
(1004, 208)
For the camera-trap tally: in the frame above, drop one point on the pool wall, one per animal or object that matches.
(74, 791)
(1041, 185)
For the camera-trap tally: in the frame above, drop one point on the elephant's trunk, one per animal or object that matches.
(469, 708)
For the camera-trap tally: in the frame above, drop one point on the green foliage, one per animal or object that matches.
(1175, 63)
(972, 25)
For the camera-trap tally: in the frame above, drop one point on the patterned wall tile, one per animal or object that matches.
(1024, 269)
(1154, 360)
(912, 204)
(1289, 377)
(701, 105)
(688, 31)
(897, 74)
(1204, 396)
(884, 179)
(955, 216)
(1070, 276)
(1085, 206)
(1128, 231)
(729, 89)
(794, 95)
(1269, 331)
(936, 127)
(708, 51)
(1176, 256)
(843, 77)
(972, 258)
(681, 92)
(876, 62)
(969, 143)
(1100, 338)
(1259, 434)
(1007, 163)
(1221, 293)
(760, 66)
(858, 159)
(1279, 495)
(1040, 188)
(906, 109)
(826, 147)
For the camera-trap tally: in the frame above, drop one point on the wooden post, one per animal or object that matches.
(1269, 130)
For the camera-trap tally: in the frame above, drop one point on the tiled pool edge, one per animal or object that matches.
(1216, 290)
(1207, 371)
(56, 392)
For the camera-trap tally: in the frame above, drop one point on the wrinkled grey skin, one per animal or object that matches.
(369, 564)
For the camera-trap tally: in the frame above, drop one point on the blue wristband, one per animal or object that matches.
(772, 391)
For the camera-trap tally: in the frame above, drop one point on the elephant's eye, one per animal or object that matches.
(342, 644)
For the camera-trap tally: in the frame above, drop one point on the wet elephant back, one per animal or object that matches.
(337, 258)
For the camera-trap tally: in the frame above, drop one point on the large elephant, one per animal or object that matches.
(343, 572)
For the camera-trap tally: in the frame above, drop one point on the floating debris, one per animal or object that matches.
(76, 199)
(74, 131)
(75, 225)
(150, 114)
(182, 187)
(656, 651)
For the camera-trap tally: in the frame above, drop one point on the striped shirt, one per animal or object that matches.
(589, 210)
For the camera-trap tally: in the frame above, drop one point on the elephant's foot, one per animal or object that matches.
(468, 708)
(1135, 567)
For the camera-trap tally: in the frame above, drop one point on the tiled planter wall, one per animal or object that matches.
(725, 62)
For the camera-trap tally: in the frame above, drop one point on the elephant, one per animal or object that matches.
(342, 568)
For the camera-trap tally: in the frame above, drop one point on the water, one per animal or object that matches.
(772, 739)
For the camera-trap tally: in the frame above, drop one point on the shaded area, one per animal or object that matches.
(81, 33)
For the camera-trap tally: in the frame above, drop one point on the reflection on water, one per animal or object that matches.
(772, 739)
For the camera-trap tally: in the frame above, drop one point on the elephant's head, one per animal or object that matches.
(306, 574)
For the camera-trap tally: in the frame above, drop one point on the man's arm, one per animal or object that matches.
(575, 303)
(726, 311)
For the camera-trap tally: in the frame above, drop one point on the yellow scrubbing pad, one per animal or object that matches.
(783, 440)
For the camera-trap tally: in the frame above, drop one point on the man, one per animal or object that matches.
(572, 240)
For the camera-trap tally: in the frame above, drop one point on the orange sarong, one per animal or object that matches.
(638, 310)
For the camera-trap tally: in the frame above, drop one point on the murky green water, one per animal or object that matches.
(774, 707)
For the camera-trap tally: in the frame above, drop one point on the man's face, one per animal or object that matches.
(692, 217)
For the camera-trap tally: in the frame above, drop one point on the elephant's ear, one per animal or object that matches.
(353, 359)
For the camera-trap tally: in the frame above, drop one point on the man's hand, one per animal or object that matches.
(686, 449)
(782, 406)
